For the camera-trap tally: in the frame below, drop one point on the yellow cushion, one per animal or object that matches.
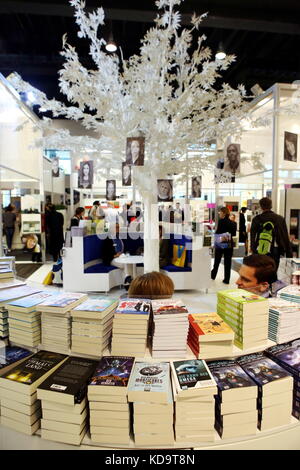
(179, 255)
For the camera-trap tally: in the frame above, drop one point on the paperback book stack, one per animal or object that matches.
(130, 327)
(56, 320)
(107, 395)
(6, 272)
(235, 407)
(275, 390)
(23, 319)
(20, 408)
(170, 328)
(6, 295)
(291, 293)
(92, 326)
(150, 391)
(209, 336)
(63, 398)
(284, 324)
(288, 356)
(193, 388)
(247, 314)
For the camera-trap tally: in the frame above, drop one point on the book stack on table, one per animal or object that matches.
(287, 356)
(107, 395)
(24, 320)
(209, 336)
(150, 391)
(170, 328)
(92, 326)
(6, 272)
(275, 390)
(291, 293)
(20, 408)
(193, 388)
(284, 324)
(64, 403)
(247, 314)
(56, 320)
(236, 401)
(130, 327)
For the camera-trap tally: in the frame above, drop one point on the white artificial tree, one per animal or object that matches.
(166, 94)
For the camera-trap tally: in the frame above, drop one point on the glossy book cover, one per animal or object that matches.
(113, 371)
(229, 375)
(96, 305)
(192, 373)
(209, 324)
(10, 354)
(261, 368)
(134, 306)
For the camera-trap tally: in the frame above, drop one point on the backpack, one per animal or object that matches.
(266, 238)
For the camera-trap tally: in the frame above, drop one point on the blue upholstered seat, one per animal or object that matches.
(99, 268)
(179, 240)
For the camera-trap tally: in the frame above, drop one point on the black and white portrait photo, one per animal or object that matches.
(196, 186)
(290, 146)
(135, 148)
(55, 167)
(86, 174)
(233, 159)
(110, 190)
(165, 190)
(126, 174)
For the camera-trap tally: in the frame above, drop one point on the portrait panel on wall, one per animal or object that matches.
(290, 146)
(135, 150)
(110, 190)
(126, 174)
(55, 167)
(196, 186)
(233, 159)
(86, 174)
(165, 190)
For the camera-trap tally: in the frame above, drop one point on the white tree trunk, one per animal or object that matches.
(151, 234)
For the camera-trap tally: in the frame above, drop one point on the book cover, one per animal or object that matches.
(34, 368)
(61, 300)
(210, 324)
(96, 305)
(287, 354)
(168, 306)
(291, 290)
(191, 374)
(71, 378)
(11, 354)
(16, 292)
(241, 296)
(261, 368)
(150, 377)
(134, 306)
(113, 371)
(228, 374)
(10, 284)
(30, 300)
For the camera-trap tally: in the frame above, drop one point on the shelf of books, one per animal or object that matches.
(136, 373)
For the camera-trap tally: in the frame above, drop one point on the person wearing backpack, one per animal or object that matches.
(269, 234)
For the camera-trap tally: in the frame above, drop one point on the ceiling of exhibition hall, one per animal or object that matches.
(263, 34)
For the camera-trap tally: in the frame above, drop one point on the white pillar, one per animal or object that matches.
(275, 151)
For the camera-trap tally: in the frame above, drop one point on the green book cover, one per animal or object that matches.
(241, 296)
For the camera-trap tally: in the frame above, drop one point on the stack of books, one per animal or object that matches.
(150, 391)
(63, 398)
(170, 329)
(291, 293)
(130, 327)
(287, 355)
(284, 322)
(247, 314)
(107, 395)
(209, 336)
(56, 320)
(23, 319)
(275, 390)
(5, 271)
(20, 408)
(193, 388)
(92, 326)
(6, 295)
(236, 410)
(11, 356)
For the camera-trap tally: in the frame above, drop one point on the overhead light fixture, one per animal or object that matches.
(221, 54)
(111, 46)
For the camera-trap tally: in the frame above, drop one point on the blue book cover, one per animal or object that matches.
(261, 368)
(287, 355)
(229, 374)
(31, 300)
(10, 354)
(134, 307)
(113, 371)
(17, 292)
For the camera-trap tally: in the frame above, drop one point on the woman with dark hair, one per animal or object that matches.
(224, 244)
(79, 214)
(9, 219)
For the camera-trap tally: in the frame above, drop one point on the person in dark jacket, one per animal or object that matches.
(55, 230)
(282, 244)
(243, 235)
(225, 247)
(77, 217)
(9, 219)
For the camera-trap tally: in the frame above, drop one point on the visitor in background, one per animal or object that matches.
(152, 285)
(243, 235)
(77, 217)
(9, 219)
(280, 244)
(55, 228)
(258, 274)
(164, 256)
(224, 244)
(96, 212)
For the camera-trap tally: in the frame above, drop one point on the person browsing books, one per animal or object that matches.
(153, 285)
(258, 275)
(224, 244)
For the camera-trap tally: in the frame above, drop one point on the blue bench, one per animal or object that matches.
(180, 240)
